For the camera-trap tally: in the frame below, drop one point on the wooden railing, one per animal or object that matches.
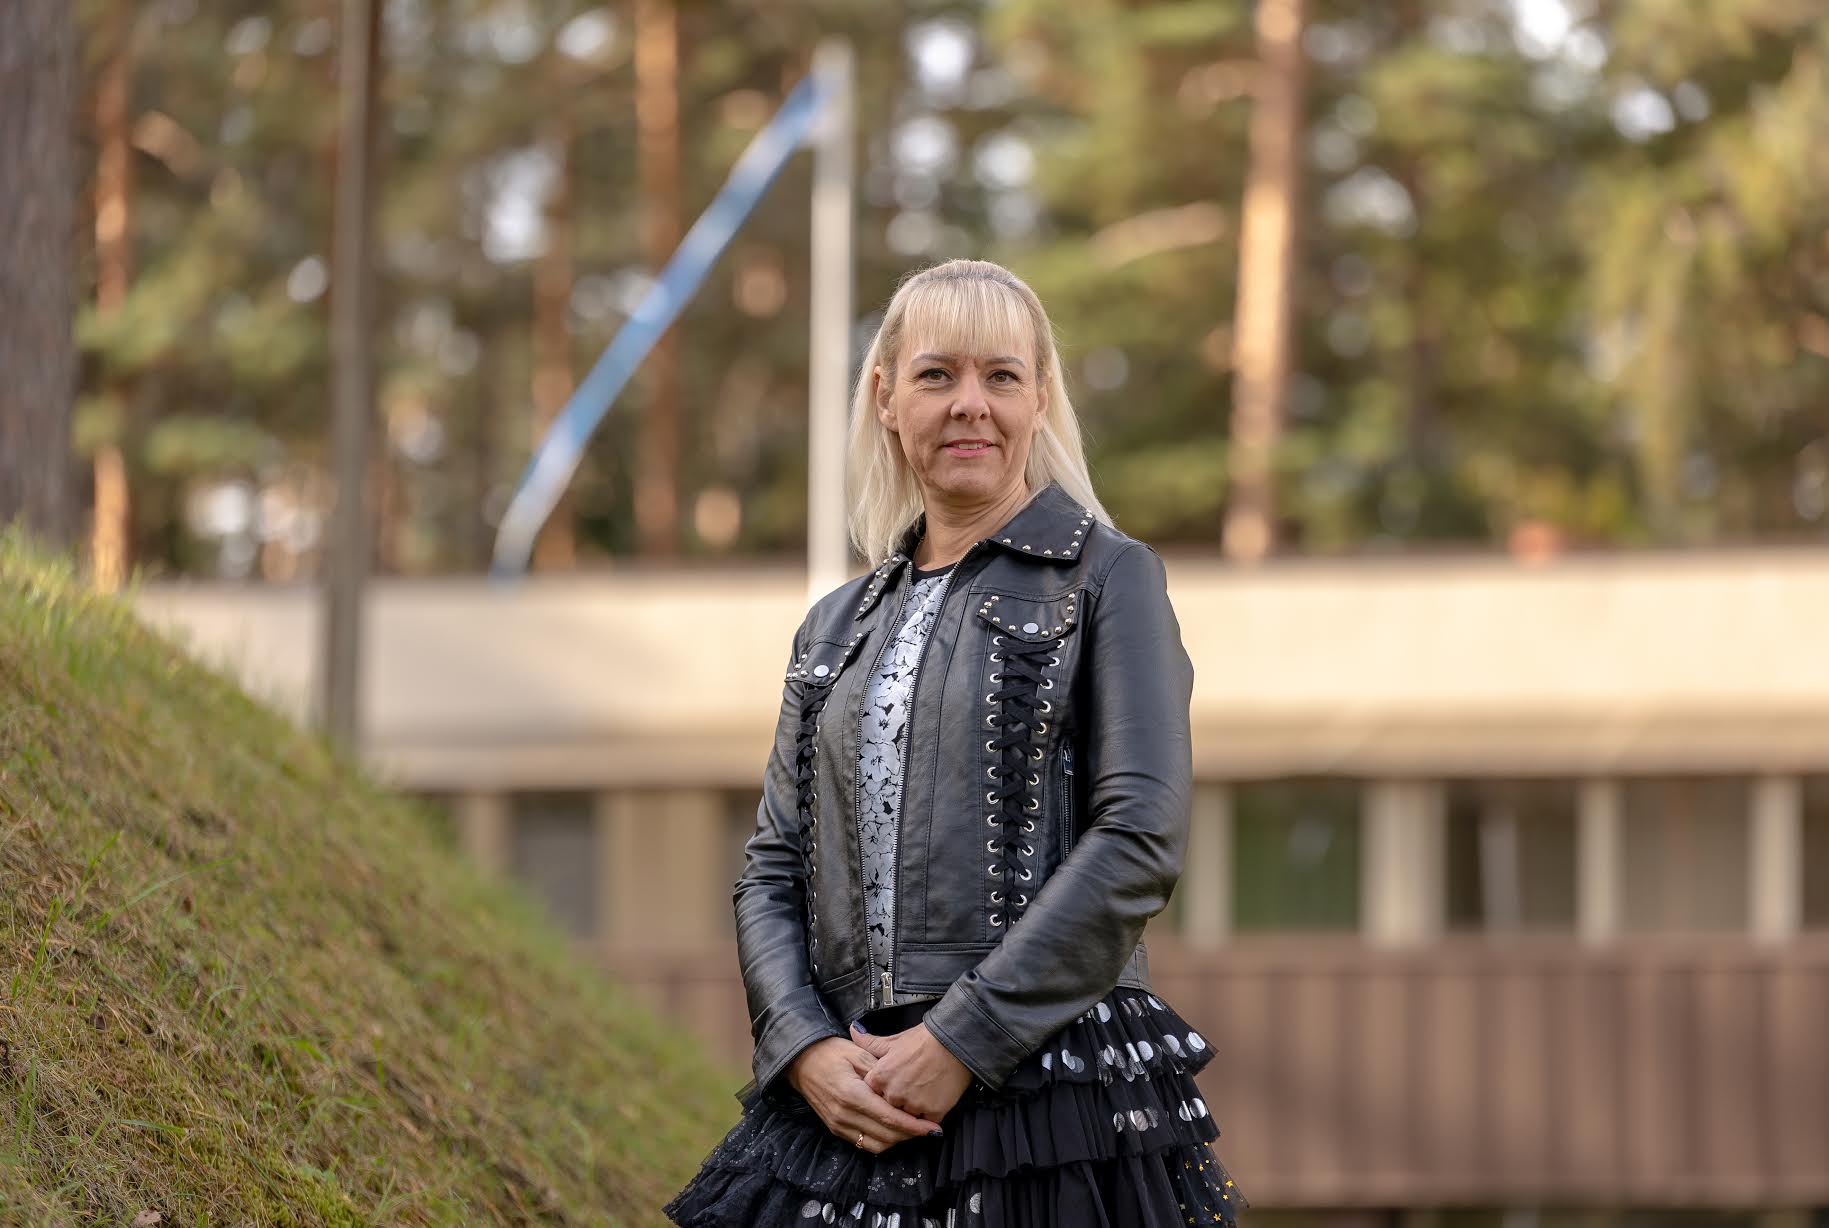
(1651, 1071)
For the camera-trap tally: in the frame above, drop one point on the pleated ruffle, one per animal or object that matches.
(1103, 1127)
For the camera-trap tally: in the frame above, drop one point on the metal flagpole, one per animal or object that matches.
(829, 325)
(346, 549)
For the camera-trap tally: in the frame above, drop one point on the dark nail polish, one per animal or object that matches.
(934, 1133)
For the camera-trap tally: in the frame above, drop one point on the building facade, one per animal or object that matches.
(1507, 892)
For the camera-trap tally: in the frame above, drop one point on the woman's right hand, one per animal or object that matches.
(829, 1075)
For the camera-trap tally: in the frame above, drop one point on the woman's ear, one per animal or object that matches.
(879, 391)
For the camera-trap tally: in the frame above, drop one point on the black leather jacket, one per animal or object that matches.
(1045, 797)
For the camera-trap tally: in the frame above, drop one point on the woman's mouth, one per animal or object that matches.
(968, 448)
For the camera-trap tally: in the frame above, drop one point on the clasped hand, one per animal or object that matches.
(888, 1087)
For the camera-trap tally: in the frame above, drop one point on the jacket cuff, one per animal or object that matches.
(973, 1036)
(794, 1024)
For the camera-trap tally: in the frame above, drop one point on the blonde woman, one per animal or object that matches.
(978, 795)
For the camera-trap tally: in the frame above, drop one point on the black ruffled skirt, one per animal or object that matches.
(1102, 1127)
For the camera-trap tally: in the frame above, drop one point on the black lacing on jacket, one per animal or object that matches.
(804, 772)
(1020, 720)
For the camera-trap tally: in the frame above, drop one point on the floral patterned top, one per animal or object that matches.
(879, 768)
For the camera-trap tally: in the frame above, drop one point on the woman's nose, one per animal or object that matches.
(971, 395)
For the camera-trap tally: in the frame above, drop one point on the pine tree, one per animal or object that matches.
(37, 220)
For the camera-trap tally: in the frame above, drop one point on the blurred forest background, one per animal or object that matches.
(1562, 270)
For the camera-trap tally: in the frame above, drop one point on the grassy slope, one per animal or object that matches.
(240, 984)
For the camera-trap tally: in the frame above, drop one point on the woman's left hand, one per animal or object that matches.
(914, 1071)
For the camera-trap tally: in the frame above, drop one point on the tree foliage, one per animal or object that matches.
(1558, 266)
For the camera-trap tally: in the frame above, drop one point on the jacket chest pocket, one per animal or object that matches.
(824, 659)
(1030, 647)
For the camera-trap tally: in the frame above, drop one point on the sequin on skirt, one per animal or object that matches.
(1102, 1127)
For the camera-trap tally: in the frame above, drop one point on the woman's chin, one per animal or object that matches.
(966, 481)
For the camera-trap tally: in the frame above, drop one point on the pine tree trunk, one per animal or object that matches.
(110, 542)
(476, 518)
(1266, 283)
(555, 549)
(657, 116)
(37, 229)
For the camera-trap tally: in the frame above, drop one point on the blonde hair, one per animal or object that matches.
(967, 307)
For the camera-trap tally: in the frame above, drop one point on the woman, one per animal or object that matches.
(978, 795)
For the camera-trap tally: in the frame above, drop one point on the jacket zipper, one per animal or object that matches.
(1066, 799)
(886, 985)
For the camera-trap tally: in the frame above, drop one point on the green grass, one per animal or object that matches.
(241, 984)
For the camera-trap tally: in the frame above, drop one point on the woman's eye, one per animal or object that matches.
(932, 371)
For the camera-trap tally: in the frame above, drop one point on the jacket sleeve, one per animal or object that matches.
(786, 1011)
(1068, 948)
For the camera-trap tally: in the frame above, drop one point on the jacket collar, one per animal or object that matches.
(1050, 527)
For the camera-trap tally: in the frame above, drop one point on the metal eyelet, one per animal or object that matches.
(1048, 685)
(988, 746)
(1054, 660)
(1029, 825)
(1035, 803)
(990, 846)
(996, 897)
(1021, 898)
(1037, 754)
(992, 871)
(997, 639)
(1025, 876)
(995, 678)
(1042, 727)
(1028, 850)
(989, 797)
(991, 772)
(996, 656)
(991, 819)
(1035, 778)
(988, 699)
(1047, 705)
(996, 920)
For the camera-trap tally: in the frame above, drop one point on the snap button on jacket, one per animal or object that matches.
(1046, 789)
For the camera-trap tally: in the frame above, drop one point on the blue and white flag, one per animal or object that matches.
(550, 470)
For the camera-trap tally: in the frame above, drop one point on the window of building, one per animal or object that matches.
(553, 849)
(1295, 861)
(1685, 863)
(1816, 850)
(1511, 854)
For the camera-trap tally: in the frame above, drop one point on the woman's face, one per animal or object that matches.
(964, 420)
